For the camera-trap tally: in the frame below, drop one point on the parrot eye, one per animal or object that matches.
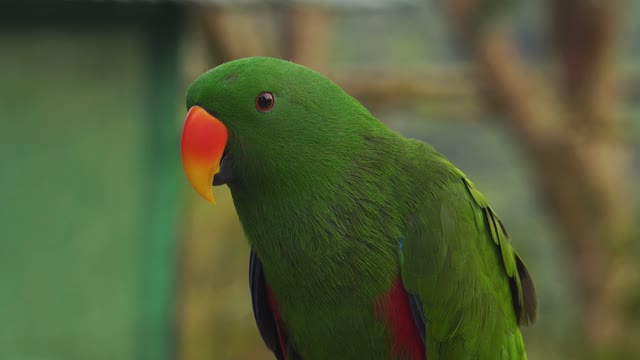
(265, 101)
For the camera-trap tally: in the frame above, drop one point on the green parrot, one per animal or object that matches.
(365, 244)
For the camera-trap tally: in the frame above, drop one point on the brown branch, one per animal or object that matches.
(232, 34)
(384, 87)
(513, 82)
(583, 33)
(306, 35)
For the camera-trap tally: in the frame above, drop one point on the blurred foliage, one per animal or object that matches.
(89, 200)
(42, 242)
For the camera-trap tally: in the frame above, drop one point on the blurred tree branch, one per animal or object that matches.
(384, 88)
(569, 132)
(304, 36)
(224, 27)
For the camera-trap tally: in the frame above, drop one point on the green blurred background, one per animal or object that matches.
(106, 253)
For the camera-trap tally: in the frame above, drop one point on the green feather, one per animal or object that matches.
(458, 259)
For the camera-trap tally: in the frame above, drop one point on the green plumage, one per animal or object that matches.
(338, 207)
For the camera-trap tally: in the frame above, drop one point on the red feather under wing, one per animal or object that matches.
(276, 316)
(394, 308)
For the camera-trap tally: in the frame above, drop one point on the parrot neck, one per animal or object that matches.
(313, 231)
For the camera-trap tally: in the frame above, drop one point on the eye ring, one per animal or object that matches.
(265, 101)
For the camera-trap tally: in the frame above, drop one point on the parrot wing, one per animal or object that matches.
(263, 309)
(469, 290)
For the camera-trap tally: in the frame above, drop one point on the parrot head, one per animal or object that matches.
(259, 123)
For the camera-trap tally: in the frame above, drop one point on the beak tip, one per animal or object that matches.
(207, 194)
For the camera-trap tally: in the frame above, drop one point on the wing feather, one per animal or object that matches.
(459, 264)
(261, 309)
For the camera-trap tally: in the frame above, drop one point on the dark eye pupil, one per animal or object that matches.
(264, 101)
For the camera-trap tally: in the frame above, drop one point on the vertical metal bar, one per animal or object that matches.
(158, 253)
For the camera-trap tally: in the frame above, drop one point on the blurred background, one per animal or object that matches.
(106, 253)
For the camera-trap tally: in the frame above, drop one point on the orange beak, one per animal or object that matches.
(203, 140)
